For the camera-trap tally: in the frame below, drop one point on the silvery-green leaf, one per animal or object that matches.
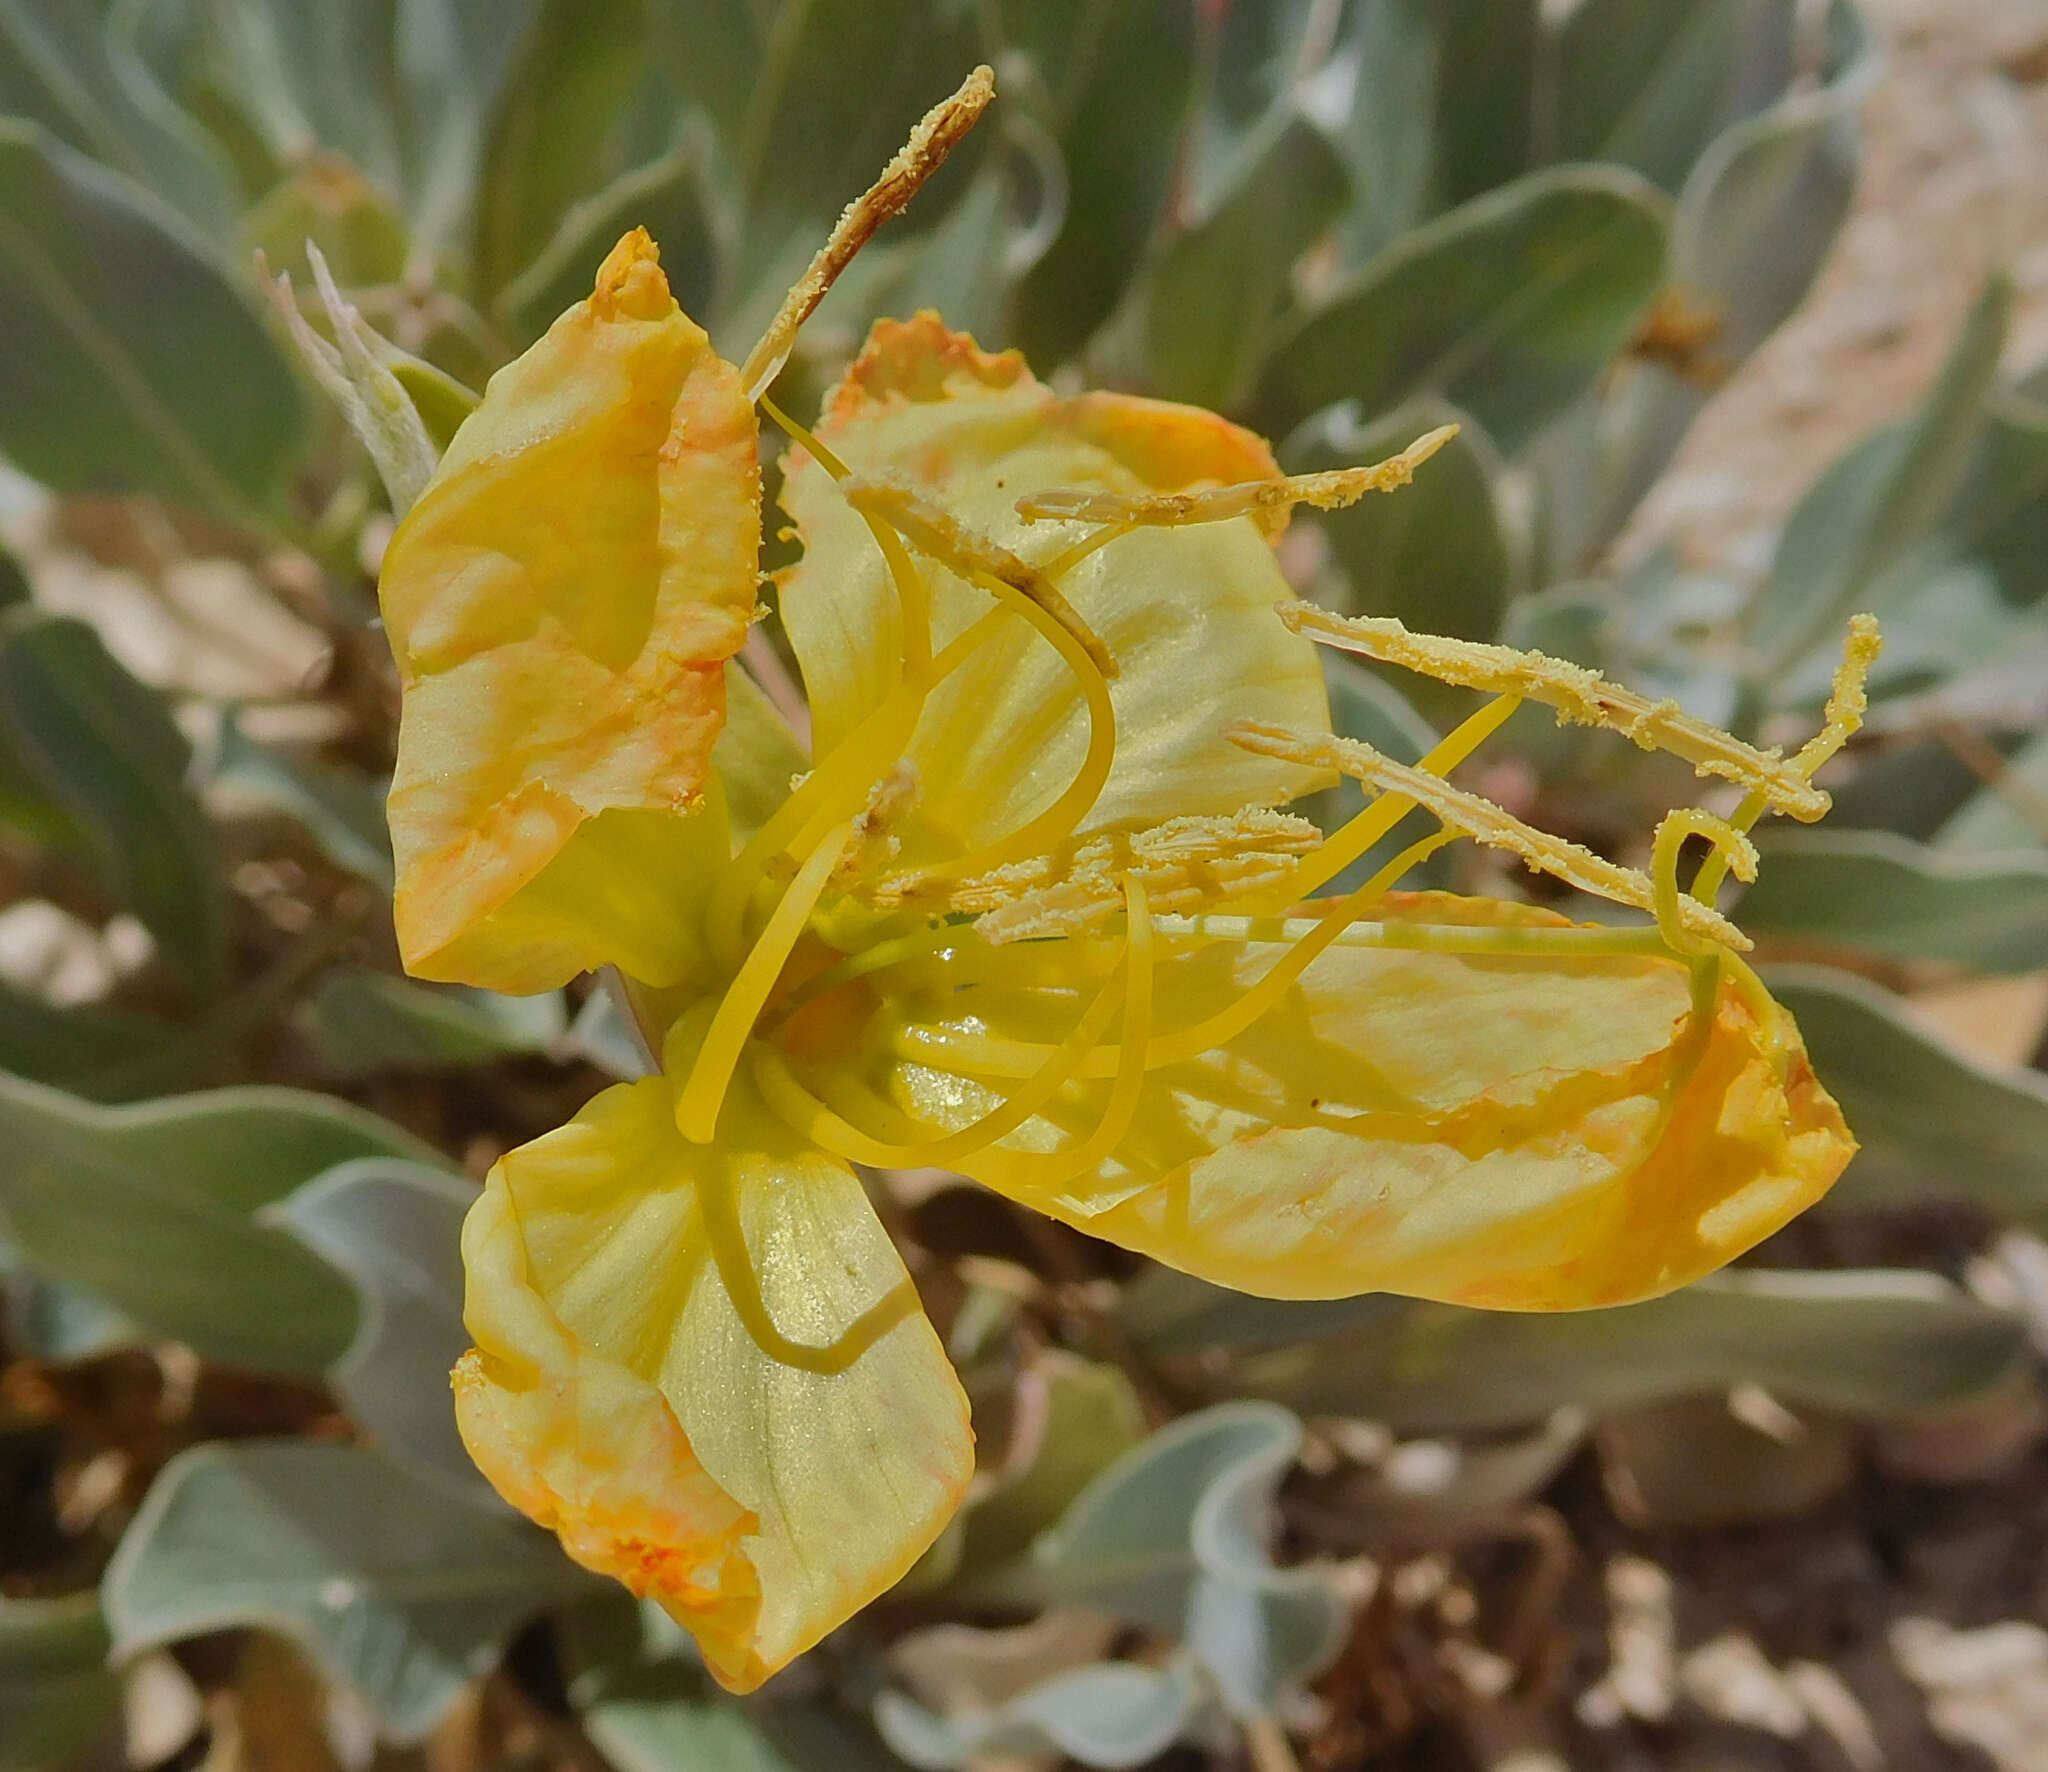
(1168, 1313)
(1507, 306)
(395, 1229)
(642, 1695)
(1756, 216)
(73, 69)
(341, 810)
(56, 1692)
(1219, 285)
(1887, 895)
(2010, 815)
(52, 1322)
(1857, 540)
(148, 1207)
(395, 1587)
(131, 363)
(1112, 1714)
(1119, 105)
(360, 1021)
(1650, 86)
(1435, 108)
(1876, 1343)
(1173, 1538)
(1932, 1121)
(562, 130)
(105, 747)
(667, 197)
(601, 1035)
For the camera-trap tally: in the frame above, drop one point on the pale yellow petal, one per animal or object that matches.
(561, 601)
(1187, 615)
(1495, 1130)
(620, 1392)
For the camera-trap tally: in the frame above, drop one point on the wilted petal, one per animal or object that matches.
(561, 601)
(617, 1394)
(1187, 614)
(1497, 1131)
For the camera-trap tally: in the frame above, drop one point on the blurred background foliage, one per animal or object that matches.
(235, 1144)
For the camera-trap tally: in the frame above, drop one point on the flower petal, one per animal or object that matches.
(1495, 1130)
(561, 601)
(620, 1393)
(1187, 614)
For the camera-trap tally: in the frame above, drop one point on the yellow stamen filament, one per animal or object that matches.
(704, 1092)
(1366, 828)
(1309, 938)
(1058, 1067)
(1577, 695)
(1068, 558)
(1327, 491)
(1847, 703)
(723, 1230)
(937, 532)
(1672, 831)
(1481, 820)
(937, 133)
(912, 597)
(989, 1055)
(844, 782)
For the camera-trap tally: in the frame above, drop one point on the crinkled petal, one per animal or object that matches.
(1187, 614)
(561, 601)
(617, 1395)
(1500, 1131)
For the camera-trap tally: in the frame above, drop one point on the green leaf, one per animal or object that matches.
(360, 1022)
(668, 198)
(1508, 306)
(1219, 286)
(1168, 1313)
(148, 1207)
(1875, 1343)
(1111, 1714)
(131, 364)
(1435, 552)
(1172, 1538)
(96, 1049)
(1119, 116)
(1649, 86)
(14, 586)
(1933, 1123)
(395, 1229)
(56, 1692)
(341, 810)
(394, 1587)
(1854, 540)
(73, 69)
(1887, 895)
(106, 748)
(1440, 111)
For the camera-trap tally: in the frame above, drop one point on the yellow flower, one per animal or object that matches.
(1032, 915)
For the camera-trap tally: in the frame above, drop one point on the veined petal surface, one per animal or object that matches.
(561, 601)
(1187, 614)
(1495, 1130)
(620, 1393)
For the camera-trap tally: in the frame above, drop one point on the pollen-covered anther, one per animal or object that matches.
(1577, 696)
(1484, 822)
(937, 533)
(1327, 491)
(1184, 864)
(875, 842)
